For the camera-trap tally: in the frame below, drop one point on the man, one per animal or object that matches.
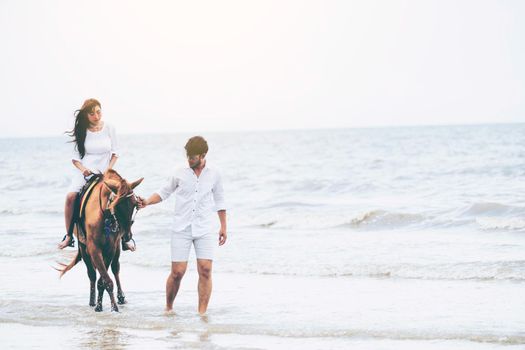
(198, 195)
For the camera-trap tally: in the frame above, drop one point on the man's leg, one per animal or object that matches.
(180, 251)
(205, 284)
(178, 268)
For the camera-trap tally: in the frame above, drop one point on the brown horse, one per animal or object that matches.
(108, 216)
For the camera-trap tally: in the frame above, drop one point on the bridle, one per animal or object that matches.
(135, 206)
(111, 211)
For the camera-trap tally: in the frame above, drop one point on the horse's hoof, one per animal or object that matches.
(98, 308)
(114, 308)
(121, 300)
(92, 304)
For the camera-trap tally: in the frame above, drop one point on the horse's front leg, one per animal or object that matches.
(115, 268)
(101, 287)
(104, 282)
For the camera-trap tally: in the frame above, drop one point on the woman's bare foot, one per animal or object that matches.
(130, 245)
(65, 242)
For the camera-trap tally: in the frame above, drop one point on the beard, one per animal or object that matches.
(196, 164)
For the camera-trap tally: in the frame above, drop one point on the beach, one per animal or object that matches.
(379, 238)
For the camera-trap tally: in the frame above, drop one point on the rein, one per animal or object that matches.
(111, 224)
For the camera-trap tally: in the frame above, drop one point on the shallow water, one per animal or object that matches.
(374, 238)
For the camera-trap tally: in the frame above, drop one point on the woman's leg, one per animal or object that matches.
(68, 215)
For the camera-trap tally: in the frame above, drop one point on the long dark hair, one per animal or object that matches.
(81, 125)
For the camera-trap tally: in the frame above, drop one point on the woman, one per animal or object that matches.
(95, 152)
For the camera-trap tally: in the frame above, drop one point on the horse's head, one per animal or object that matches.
(125, 201)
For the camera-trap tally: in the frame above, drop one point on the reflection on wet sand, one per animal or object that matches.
(103, 339)
(198, 336)
(204, 335)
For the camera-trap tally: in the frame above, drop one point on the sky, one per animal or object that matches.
(196, 66)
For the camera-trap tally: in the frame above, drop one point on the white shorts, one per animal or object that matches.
(77, 182)
(181, 244)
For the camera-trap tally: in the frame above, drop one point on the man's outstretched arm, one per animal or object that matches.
(163, 193)
(153, 199)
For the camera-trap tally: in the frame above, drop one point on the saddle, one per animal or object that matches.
(111, 224)
(80, 206)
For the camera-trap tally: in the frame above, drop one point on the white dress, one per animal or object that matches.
(100, 146)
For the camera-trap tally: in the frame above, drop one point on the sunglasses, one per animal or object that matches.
(193, 158)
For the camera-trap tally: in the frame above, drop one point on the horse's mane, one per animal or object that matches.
(111, 174)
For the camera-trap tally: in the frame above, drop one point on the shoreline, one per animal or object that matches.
(321, 312)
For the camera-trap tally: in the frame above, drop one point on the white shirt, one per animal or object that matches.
(197, 199)
(100, 146)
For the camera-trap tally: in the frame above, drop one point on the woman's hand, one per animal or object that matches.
(86, 172)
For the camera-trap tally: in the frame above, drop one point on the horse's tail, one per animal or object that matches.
(65, 268)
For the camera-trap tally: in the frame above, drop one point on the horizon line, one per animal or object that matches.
(385, 126)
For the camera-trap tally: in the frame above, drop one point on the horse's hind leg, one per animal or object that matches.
(92, 279)
(115, 268)
(92, 274)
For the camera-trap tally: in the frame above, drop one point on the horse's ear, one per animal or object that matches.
(136, 183)
(112, 185)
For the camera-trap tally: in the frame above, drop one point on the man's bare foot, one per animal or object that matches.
(204, 317)
(169, 312)
(65, 242)
(203, 313)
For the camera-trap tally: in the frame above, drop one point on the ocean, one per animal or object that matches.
(378, 238)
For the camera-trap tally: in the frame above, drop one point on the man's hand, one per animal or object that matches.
(153, 199)
(86, 172)
(222, 236)
(142, 203)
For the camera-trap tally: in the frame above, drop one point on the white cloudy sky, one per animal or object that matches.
(169, 66)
